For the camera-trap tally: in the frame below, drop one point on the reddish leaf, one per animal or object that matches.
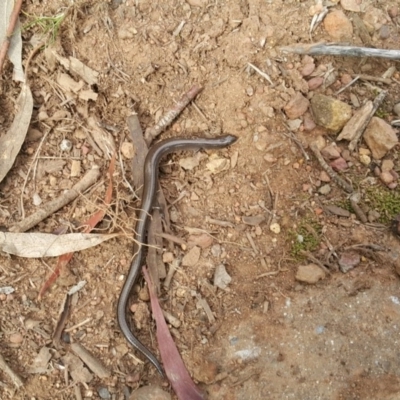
(174, 367)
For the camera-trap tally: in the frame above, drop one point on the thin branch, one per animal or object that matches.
(17, 381)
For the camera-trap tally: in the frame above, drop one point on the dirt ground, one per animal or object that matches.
(269, 335)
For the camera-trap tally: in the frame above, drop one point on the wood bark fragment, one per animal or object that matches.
(375, 105)
(319, 49)
(166, 120)
(92, 362)
(52, 206)
(15, 378)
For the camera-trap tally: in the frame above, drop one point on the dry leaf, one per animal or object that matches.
(15, 49)
(37, 244)
(11, 142)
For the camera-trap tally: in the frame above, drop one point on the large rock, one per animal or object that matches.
(380, 137)
(330, 113)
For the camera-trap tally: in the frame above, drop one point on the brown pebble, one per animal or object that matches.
(16, 338)
(315, 83)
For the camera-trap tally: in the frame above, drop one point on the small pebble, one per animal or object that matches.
(104, 393)
(325, 189)
(221, 277)
(128, 150)
(65, 145)
(275, 227)
(16, 338)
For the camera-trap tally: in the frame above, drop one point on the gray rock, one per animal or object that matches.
(330, 113)
(324, 189)
(380, 137)
(396, 109)
(310, 273)
(348, 260)
(221, 277)
(104, 393)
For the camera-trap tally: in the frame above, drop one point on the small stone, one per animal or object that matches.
(104, 393)
(65, 145)
(310, 274)
(37, 200)
(265, 307)
(249, 91)
(364, 159)
(144, 294)
(324, 190)
(384, 32)
(364, 151)
(387, 165)
(16, 338)
(308, 69)
(315, 83)
(275, 228)
(216, 250)
(75, 168)
(324, 177)
(386, 177)
(128, 150)
(393, 12)
(221, 277)
(168, 257)
(380, 137)
(203, 240)
(330, 113)
(258, 230)
(348, 260)
(351, 5)
(297, 106)
(339, 164)
(338, 26)
(330, 152)
(150, 392)
(192, 257)
(80, 134)
(308, 123)
(270, 158)
(294, 124)
(42, 116)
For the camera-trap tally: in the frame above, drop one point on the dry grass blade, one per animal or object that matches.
(11, 142)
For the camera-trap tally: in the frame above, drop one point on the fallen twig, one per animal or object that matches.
(334, 176)
(152, 133)
(318, 49)
(262, 73)
(320, 264)
(52, 206)
(11, 27)
(375, 105)
(354, 200)
(372, 78)
(92, 362)
(171, 271)
(62, 320)
(16, 380)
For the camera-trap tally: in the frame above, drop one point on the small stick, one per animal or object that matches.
(93, 363)
(354, 200)
(251, 241)
(152, 133)
(334, 176)
(375, 105)
(291, 136)
(17, 381)
(10, 30)
(52, 206)
(319, 49)
(375, 79)
(315, 260)
(219, 222)
(356, 78)
(263, 74)
(171, 271)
